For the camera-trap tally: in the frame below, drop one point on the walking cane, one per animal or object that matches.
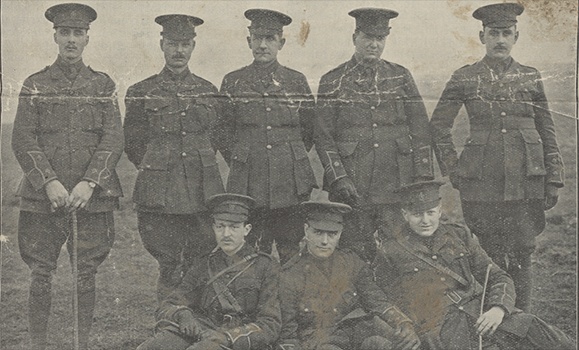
(75, 277)
(482, 302)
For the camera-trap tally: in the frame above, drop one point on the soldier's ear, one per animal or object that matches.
(281, 43)
(516, 36)
(481, 36)
(249, 41)
(161, 43)
(248, 228)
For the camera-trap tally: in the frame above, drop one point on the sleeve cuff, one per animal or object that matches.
(333, 168)
(98, 169)
(40, 171)
(423, 166)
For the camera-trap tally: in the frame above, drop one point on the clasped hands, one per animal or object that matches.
(76, 199)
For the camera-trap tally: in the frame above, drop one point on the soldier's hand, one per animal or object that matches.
(215, 337)
(406, 337)
(344, 190)
(488, 322)
(551, 196)
(187, 324)
(56, 193)
(79, 196)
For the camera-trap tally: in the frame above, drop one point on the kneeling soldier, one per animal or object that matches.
(437, 273)
(229, 298)
(328, 297)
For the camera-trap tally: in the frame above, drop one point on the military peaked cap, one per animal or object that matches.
(266, 22)
(420, 196)
(324, 215)
(178, 27)
(71, 15)
(373, 21)
(498, 15)
(230, 206)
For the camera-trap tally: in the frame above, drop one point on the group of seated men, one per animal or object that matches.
(432, 287)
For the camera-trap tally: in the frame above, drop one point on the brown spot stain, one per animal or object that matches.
(304, 32)
(553, 20)
(460, 10)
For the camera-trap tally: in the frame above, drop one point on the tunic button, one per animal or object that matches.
(184, 154)
(372, 108)
(504, 131)
(183, 113)
(336, 163)
(424, 160)
(461, 254)
(461, 308)
(306, 309)
(183, 133)
(503, 114)
(416, 269)
(268, 146)
(376, 145)
(265, 94)
(268, 127)
(502, 99)
(335, 310)
(442, 279)
(434, 257)
(374, 125)
(501, 84)
(147, 166)
(355, 293)
(268, 109)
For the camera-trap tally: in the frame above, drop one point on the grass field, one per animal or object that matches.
(126, 280)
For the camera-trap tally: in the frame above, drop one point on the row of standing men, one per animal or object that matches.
(369, 126)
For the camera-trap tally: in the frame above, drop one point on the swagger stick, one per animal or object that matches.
(482, 302)
(75, 277)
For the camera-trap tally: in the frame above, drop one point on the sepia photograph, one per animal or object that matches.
(288, 175)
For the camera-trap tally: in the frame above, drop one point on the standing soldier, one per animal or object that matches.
(267, 129)
(168, 131)
(67, 138)
(511, 168)
(373, 132)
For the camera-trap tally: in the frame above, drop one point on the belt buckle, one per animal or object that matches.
(454, 297)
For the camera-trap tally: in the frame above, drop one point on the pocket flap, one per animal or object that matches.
(240, 154)
(49, 152)
(299, 150)
(156, 104)
(207, 157)
(346, 148)
(155, 159)
(531, 136)
(404, 145)
(478, 137)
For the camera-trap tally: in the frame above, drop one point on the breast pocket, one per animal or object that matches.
(153, 178)
(91, 115)
(470, 163)
(404, 159)
(247, 293)
(534, 153)
(157, 111)
(200, 115)
(53, 114)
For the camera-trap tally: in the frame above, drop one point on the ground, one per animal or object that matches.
(126, 280)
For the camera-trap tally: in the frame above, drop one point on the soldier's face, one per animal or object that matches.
(71, 42)
(369, 48)
(230, 235)
(265, 47)
(499, 41)
(423, 223)
(177, 52)
(321, 243)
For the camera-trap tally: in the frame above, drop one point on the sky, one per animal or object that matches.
(431, 38)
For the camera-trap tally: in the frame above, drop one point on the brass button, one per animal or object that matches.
(416, 269)
(268, 109)
(183, 113)
(503, 114)
(336, 163)
(502, 98)
(434, 257)
(184, 154)
(461, 308)
(335, 310)
(374, 125)
(306, 309)
(504, 131)
(265, 94)
(268, 127)
(461, 254)
(442, 279)
(424, 160)
(183, 133)
(268, 146)
(373, 108)
(376, 145)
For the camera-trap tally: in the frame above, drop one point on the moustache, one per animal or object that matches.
(177, 56)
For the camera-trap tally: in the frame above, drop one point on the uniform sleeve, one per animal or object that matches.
(546, 128)
(306, 112)
(185, 295)
(109, 150)
(324, 132)
(442, 121)
(224, 130)
(500, 288)
(265, 329)
(289, 299)
(419, 129)
(30, 156)
(136, 126)
(375, 300)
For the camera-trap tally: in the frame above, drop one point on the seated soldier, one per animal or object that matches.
(229, 298)
(438, 274)
(328, 297)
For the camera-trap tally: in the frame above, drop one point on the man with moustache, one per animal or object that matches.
(168, 131)
(266, 130)
(229, 297)
(329, 299)
(67, 138)
(437, 273)
(372, 133)
(511, 168)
